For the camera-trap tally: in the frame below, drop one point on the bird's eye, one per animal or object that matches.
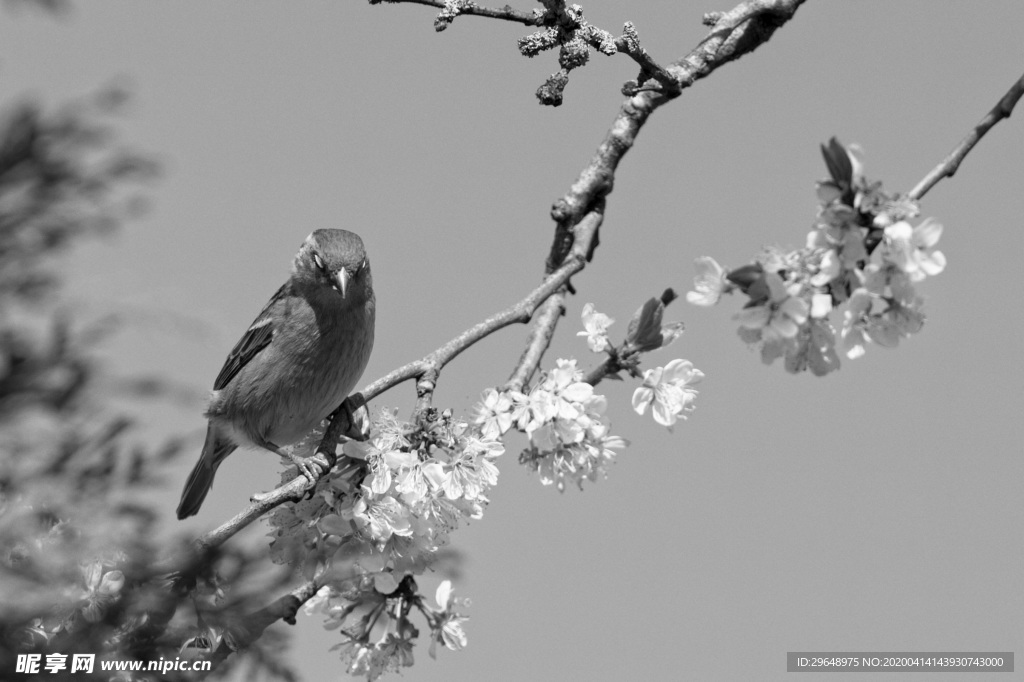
(319, 263)
(364, 263)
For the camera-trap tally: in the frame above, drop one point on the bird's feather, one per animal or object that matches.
(257, 337)
(215, 450)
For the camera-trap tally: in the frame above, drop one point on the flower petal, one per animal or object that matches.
(821, 305)
(642, 397)
(444, 594)
(933, 263)
(677, 372)
(578, 392)
(901, 230)
(663, 413)
(708, 283)
(754, 318)
(927, 234)
(795, 308)
(776, 286)
(783, 326)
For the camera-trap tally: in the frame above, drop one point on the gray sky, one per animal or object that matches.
(876, 509)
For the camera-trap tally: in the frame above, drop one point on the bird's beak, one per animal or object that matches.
(342, 281)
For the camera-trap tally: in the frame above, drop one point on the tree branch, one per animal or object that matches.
(734, 33)
(293, 490)
(737, 32)
(242, 634)
(578, 216)
(951, 163)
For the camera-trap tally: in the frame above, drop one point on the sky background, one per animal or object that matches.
(876, 509)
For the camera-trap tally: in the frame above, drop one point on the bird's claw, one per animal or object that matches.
(311, 467)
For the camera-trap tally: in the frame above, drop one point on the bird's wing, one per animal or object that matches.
(256, 338)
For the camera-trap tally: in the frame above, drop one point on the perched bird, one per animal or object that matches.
(296, 363)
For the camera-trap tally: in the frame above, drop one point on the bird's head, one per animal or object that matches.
(336, 259)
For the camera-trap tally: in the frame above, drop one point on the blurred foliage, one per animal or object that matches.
(60, 180)
(46, 5)
(82, 566)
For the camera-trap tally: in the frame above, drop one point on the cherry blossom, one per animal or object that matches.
(670, 389)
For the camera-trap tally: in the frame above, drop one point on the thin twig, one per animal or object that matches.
(585, 238)
(505, 13)
(594, 376)
(629, 44)
(538, 342)
(951, 163)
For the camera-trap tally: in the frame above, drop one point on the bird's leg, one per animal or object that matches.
(355, 423)
(310, 467)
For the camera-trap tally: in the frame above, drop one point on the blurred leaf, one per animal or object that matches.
(838, 162)
(646, 331)
(744, 276)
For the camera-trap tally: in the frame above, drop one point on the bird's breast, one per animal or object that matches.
(309, 368)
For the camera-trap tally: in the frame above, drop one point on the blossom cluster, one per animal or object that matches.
(570, 439)
(378, 518)
(395, 499)
(669, 388)
(863, 258)
(379, 637)
(563, 418)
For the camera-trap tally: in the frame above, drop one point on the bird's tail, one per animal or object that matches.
(215, 450)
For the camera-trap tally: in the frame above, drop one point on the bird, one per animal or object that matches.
(296, 363)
